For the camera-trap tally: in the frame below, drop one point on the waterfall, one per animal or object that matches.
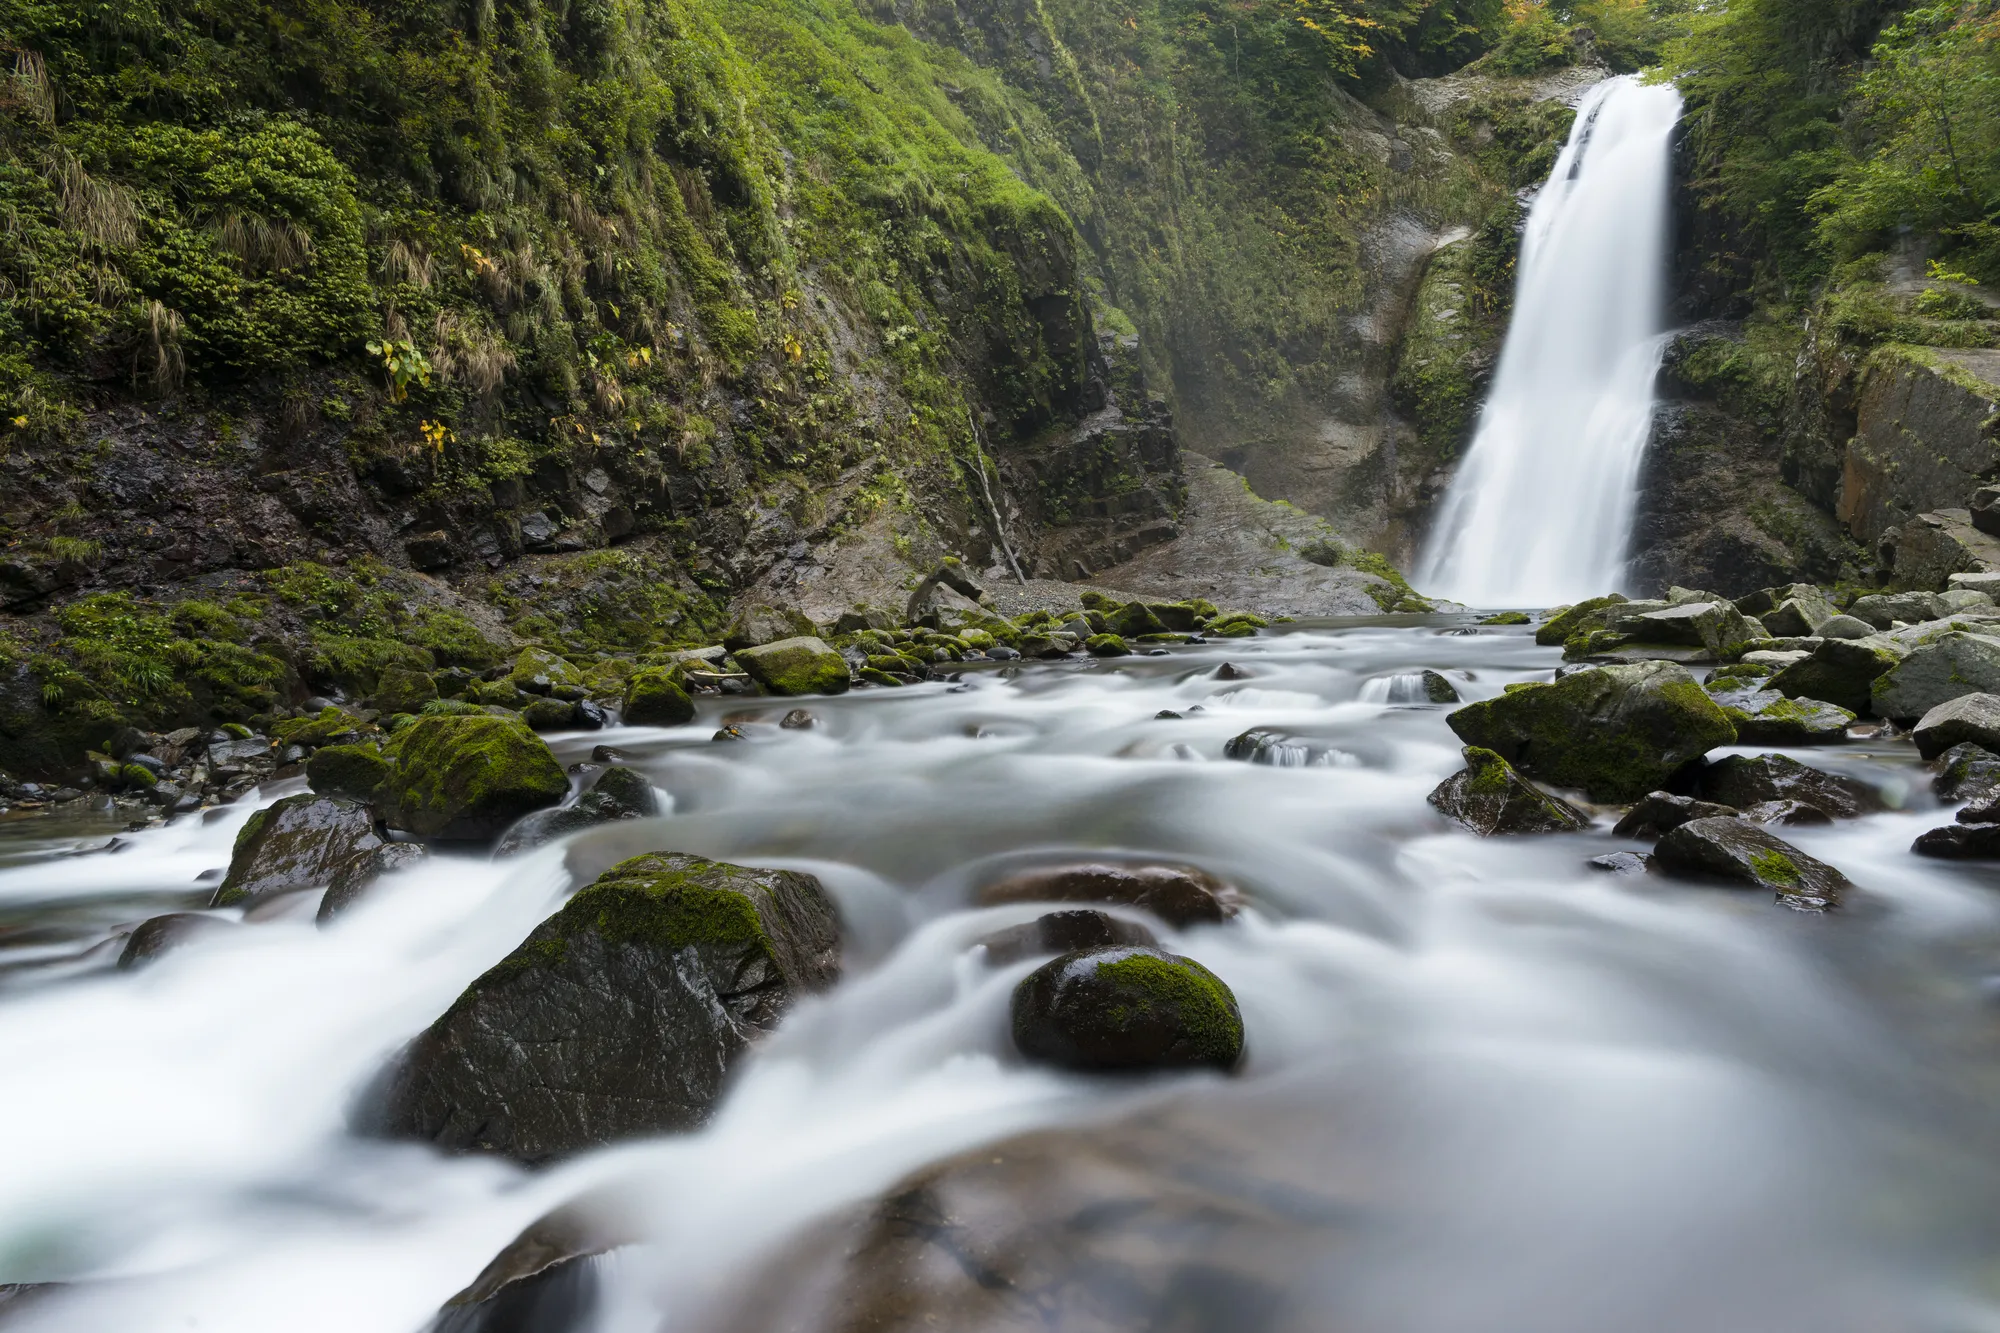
(1541, 509)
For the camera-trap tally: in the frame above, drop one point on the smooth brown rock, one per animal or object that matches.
(1179, 895)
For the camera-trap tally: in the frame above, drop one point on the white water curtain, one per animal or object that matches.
(1541, 509)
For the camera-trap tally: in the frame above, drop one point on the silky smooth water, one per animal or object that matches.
(1581, 1102)
(1540, 512)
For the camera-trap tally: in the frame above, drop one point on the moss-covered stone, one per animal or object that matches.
(1841, 671)
(330, 726)
(796, 666)
(654, 698)
(1489, 797)
(538, 671)
(1106, 645)
(1571, 621)
(353, 771)
(1509, 618)
(549, 715)
(1127, 1009)
(138, 777)
(1740, 853)
(621, 1014)
(400, 690)
(298, 843)
(466, 778)
(1617, 732)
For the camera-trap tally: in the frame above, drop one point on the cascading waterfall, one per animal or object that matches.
(1541, 510)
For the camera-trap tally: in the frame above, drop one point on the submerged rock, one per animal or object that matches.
(1620, 863)
(1746, 780)
(360, 875)
(616, 793)
(1767, 717)
(149, 939)
(300, 842)
(1064, 932)
(1969, 719)
(620, 1015)
(1179, 895)
(1127, 1009)
(466, 778)
(542, 1282)
(654, 698)
(1490, 798)
(1617, 732)
(1948, 667)
(1662, 812)
(802, 665)
(1730, 849)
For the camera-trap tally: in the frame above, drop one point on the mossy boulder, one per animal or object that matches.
(1509, 618)
(1127, 1009)
(1948, 667)
(1746, 856)
(1489, 797)
(549, 715)
(466, 778)
(1566, 623)
(1106, 645)
(1714, 626)
(1767, 717)
(400, 690)
(298, 843)
(1617, 732)
(620, 1015)
(538, 671)
(802, 665)
(1841, 672)
(654, 697)
(353, 771)
(330, 726)
(1132, 620)
(756, 625)
(1235, 625)
(1967, 772)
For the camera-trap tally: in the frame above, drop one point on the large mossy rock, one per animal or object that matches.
(654, 697)
(1767, 717)
(465, 779)
(1743, 854)
(1489, 797)
(1716, 626)
(539, 671)
(618, 1016)
(802, 665)
(401, 690)
(353, 771)
(1967, 772)
(1573, 621)
(300, 842)
(1617, 732)
(1948, 667)
(1841, 672)
(1127, 1009)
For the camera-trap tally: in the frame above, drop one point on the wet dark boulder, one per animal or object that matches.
(1127, 1009)
(1940, 670)
(655, 697)
(1960, 842)
(1746, 780)
(1747, 856)
(466, 778)
(1841, 672)
(1617, 732)
(1789, 814)
(616, 793)
(352, 771)
(360, 875)
(618, 1016)
(1662, 812)
(1967, 772)
(1490, 798)
(1064, 932)
(151, 938)
(1179, 895)
(300, 842)
(1969, 719)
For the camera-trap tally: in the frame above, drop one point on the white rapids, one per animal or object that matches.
(1540, 512)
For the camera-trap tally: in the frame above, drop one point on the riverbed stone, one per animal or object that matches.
(1127, 1009)
(1790, 814)
(1746, 855)
(620, 1015)
(465, 779)
(1567, 622)
(549, 715)
(1767, 717)
(353, 771)
(655, 697)
(1745, 780)
(1490, 798)
(401, 690)
(1846, 627)
(1662, 812)
(539, 671)
(1966, 772)
(1949, 666)
(1960, 842)
(803, 665)
(1180, 895)
(1716, 626)
(296, 843)
(1841, 672)
(616, 793)
(161, 934)
(360, 874)
(759, 624)
(1799, 613)
(1884, 610)
(1064, 932)
(1617, 732)
(1973, 718)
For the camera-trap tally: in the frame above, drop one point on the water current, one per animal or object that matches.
(1554, 1098)
(1541, 511)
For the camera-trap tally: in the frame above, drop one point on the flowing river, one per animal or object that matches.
(1488, 1086)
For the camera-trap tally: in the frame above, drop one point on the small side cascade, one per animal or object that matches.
(1541, 509)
